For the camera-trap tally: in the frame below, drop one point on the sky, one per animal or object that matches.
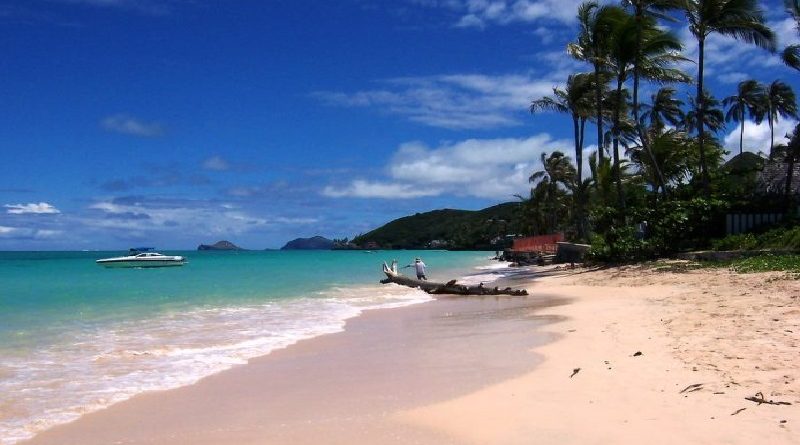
(178, 122)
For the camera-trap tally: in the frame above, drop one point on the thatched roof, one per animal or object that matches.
(772, 179)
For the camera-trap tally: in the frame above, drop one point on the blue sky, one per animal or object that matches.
(179, 122)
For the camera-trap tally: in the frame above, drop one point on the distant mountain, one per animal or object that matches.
(313, 243)
(219, 245)
(445, 229)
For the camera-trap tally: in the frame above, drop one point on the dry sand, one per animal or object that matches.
(708, 339)
(476, 371)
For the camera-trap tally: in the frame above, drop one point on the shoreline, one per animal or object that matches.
(483, 268)
(363, 370)
(617, 355)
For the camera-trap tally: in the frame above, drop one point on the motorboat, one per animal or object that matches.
(143, 257)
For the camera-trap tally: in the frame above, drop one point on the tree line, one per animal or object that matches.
(659, 160)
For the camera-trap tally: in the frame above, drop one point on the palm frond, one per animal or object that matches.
(791, 56)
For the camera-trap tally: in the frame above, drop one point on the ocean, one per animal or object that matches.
(76, 337)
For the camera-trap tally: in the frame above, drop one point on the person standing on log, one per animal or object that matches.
(419, 266)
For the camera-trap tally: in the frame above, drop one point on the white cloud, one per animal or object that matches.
(366, 189)
(733, 77)
(197, 217)
(727, 58)
(757, 137)
(480, 13)
(28, 233)
(122, 123)
(216, 163)
(458, 101)
(40, 208)
(484, 168)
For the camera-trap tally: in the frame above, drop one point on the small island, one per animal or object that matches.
(220, 245)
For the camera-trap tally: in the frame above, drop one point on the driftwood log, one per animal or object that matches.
(451, 287)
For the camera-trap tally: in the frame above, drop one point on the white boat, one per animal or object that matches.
(143, 257)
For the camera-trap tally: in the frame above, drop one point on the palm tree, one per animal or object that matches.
(663, 109)
(556, 170)
(780, 102)
(644, 11)
(713, 118)
(575, 100)
(791, 54)
(656, 52)
(670, 149)
(591, 46)
(750, 99)
(740, 19)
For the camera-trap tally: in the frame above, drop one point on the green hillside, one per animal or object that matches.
(447, 228)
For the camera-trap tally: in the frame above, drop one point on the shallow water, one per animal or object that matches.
(76, 337)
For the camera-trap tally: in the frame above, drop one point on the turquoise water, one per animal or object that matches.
(76, 337)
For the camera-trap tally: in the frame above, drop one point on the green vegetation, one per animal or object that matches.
(779, 238)
(450, 229)
(761, 263)
(657, 184)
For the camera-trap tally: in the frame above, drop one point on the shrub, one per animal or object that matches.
(744, 241)
(779, 238)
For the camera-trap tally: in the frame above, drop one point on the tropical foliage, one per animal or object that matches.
(659, 162)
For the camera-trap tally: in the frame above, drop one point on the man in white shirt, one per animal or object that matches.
(419, 266)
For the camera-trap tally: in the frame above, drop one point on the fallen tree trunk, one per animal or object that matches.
(451, 287)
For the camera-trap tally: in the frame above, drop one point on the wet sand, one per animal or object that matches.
(341, 388)
(619, 355)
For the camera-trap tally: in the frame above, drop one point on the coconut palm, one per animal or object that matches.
(576, 100)
(644, 11)
(671, 151)
(713, 117)
(663, 109)
(780, 101)
(557, 171)
(750, 99)
(740, 19)
(656, 52)
(791, 54)
(591, 46)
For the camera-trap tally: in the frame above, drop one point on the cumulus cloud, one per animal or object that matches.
(456, 101)
(483, 168)
(757, 137)
(216, 163)
(366, 189)
(125, 124)
(192, 216)
(727, 58)
(40, 208)
(28, 233)
(481, 13)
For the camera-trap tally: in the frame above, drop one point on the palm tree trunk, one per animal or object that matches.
(598, 97)
(700, 117)
(616, 133)
(741, 132)
(579, 189)
(637, 122)
(789, 174)
(771, 134)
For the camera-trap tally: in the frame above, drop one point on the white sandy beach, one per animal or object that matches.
(480, 371)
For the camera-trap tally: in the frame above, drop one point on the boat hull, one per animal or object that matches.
(121, 264)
